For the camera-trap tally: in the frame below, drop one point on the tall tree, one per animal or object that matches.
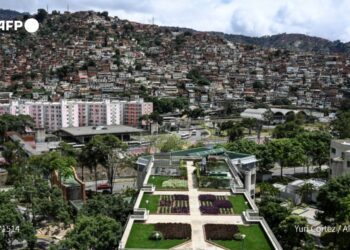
(99, 149)
(316, 145)
(305, 191)
(287, 130)
(330, 198)
(243, 146)
(268, 116)
(53, 161)
(113, 206)
(14, 227)
(249, 123)
(273, 212)
(290, 237)
(235, 133)
(267, 189)
(261, 151)
(93, 232)
(15, 158)
(341, 125)
(168, 143)
(287, 152)
(15, 123)
(42, 201)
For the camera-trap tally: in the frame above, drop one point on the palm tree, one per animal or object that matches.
(268, 116)
(249, 123)
(267, 189)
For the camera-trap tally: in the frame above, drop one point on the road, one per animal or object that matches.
(290, 171)
(119, 184)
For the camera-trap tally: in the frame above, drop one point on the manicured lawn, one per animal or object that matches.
(238, 203)
(139, 238)
(153, 202)
(255, 239)
(157, 181)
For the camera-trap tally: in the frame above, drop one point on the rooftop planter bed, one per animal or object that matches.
(168, 182)
(212, 181)
(220, 232)
(211, 204)
(224, 235)
(166, 204)
(170, 235)
(173, 204)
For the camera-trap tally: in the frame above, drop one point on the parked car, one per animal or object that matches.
(103, 186)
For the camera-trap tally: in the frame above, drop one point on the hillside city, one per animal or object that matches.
(121, 135)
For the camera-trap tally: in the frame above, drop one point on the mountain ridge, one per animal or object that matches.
(6, 14)
(291, 41)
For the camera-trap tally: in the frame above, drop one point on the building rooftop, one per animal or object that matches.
(101, 130)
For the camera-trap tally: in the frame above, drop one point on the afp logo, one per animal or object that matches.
(31, 25)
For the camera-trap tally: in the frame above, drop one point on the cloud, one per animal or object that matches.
(324, 18)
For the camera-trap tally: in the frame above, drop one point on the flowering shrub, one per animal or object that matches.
(174, 204)
(220, 232)
(164, 203)
(222, 204)
(180, 210)
(209, 210)
(181, 197)
(211, 204)
(207, 197)
(174, 230)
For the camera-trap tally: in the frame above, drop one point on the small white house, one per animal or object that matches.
(290, 191)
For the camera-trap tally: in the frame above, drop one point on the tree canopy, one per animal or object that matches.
(113, 206)
(331, 200)
(287, 130)
(168, 143)
(287, 152)
(290, 237)
(15, 123)
(166, 105)
(93, 232)
(341, 125)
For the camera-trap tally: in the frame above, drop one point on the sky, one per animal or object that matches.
(328, 19)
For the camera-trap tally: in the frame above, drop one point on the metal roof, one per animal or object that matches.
(208, 152)
(100, 130)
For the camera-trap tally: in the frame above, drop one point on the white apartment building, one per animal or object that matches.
(340, 157)
(78, 113)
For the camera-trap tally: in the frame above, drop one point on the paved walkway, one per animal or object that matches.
(195, 218)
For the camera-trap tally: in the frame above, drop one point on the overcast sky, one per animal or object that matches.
(324, 18)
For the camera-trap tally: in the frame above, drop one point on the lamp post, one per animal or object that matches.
(157, 235)
(243, 237)
(147, 201)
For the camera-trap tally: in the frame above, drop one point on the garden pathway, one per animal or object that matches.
(195, 218)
